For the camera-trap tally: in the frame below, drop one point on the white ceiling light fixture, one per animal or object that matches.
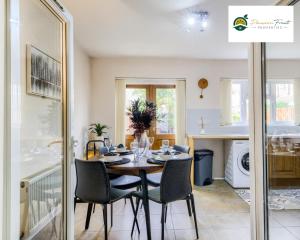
(196, 20)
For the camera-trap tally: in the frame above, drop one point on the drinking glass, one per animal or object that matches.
(172, 152)
(134, 146)
(165, 145)
(107, 143)
(151, 141)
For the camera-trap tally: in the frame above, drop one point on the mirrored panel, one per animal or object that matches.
(282, 119)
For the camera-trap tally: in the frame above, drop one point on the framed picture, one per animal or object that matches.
(43, 74)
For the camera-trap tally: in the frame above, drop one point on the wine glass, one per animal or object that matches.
(165, 145)
(151, 141)
(107, 143)
(134, 146)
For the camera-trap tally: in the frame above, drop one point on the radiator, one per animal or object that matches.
(41, 199)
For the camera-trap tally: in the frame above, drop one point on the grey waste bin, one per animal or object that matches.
(203, 160)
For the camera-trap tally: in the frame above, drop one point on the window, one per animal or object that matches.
(165, 98)
(165, 101)
(280, 102)
(239, 102)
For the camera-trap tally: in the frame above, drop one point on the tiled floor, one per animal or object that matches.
(221, 214)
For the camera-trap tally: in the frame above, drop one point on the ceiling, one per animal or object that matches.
(153, 28)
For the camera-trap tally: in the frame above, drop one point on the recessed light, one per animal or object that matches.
(191, 21)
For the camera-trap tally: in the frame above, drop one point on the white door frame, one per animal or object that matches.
(2, 109)
(12, 120)
(257, 152)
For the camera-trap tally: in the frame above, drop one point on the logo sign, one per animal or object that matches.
(260, 24)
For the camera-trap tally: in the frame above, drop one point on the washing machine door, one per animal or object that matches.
(243, 162)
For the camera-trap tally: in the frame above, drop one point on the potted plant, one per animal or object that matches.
(98, 129)
(141, 114)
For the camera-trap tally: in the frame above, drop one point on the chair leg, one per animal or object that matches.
(111, 215)
(163, 209)
(194, 213)
(189, 206)
(75, 201)
(135, 220)
(135, 212)
(166, 214)
(105, 219)
(88, 216)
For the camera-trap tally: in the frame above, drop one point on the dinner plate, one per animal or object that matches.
(116, 161)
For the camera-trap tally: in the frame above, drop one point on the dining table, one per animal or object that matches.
(141, 168)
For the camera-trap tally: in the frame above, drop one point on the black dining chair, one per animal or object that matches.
(154, 179)
(123, 182)
(93, 186)
(175, 185)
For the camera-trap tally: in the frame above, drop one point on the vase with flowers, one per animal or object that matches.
(141, 114)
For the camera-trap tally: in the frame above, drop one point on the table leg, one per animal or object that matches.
(143, 176)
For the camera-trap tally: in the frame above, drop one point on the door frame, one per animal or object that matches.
(12, 121)
(2, 109)
(259, 177)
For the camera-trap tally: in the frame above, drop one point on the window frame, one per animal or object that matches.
(244, 96)
(271, 88)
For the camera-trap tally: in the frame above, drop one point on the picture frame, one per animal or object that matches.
(44, 75)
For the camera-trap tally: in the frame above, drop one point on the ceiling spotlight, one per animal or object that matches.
(197, 20)
(191, 21)
(204, 24)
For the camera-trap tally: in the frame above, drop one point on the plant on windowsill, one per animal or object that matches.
(141, 115)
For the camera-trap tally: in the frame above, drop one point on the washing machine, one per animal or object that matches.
(237, 168)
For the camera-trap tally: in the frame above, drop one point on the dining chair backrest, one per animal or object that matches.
(93, 184)
(182, 148)
(175, 181)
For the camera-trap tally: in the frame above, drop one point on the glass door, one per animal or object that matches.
(281, 98)
(43, 120)
(165, 98)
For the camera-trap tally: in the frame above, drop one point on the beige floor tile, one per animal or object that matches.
(280, 234)
(235, 220)
(155, 234)
(183, 221)
(232, 234)
(288, 218)
(295, 231)
(204, 234)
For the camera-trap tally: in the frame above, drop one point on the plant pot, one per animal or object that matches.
(99, 144)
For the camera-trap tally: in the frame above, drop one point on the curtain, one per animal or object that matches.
(297, 100)
(120, 111)
(225, 102)
(180, 112)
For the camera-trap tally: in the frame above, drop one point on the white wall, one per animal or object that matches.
(82, 89)
(2, 105)
(104, 72)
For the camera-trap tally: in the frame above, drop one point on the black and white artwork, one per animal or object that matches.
(43, 74)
